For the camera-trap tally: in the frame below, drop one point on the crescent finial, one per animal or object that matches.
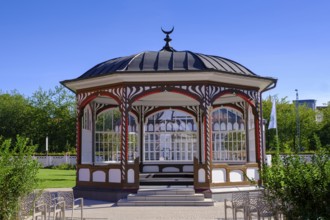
(167, 39)
(168, 32)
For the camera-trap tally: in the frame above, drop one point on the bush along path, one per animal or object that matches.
(301, 189)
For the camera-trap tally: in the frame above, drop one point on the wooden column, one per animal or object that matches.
(258, 130)
(78, 133)
(206, 161)
(124, 109)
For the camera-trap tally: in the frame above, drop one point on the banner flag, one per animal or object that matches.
(273, 119)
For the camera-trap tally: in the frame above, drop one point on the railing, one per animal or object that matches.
(47, 161)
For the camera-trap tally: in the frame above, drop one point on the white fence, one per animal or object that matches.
(58, 160)
(47, 161)
(305, 157)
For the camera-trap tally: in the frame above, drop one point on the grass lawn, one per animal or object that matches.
(52, 178)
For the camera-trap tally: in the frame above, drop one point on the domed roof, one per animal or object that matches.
(153, 66)
(166, 61)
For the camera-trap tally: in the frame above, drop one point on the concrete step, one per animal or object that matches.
(205, 202)
(166, 191)
(166, 197)
(137, 197)
(166, 179)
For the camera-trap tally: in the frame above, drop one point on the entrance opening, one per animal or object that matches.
(170, 144)
(170, 136)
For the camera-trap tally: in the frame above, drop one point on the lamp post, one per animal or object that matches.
(297, 121)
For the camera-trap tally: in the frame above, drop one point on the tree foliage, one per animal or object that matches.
(18, 175)
(324, 130)
(15, 115)
(55, 118)
(313, 135)
(46, 113)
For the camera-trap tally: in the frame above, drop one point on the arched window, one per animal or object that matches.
(228, 142)
(108, 136)
(172, 137)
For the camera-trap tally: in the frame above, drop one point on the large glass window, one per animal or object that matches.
(228, 135)
(108, 137)
(170, 135)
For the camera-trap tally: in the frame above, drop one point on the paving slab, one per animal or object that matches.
(103, 210)
(100, 210)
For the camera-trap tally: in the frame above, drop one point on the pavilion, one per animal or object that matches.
(167, 111)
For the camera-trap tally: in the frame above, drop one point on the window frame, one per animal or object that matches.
(170, 129)
(229, 141)
(101, 137)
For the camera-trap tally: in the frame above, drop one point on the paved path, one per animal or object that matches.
(104, 210)
(100, 210)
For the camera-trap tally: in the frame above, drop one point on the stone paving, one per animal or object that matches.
(102, 210)
(99, 210)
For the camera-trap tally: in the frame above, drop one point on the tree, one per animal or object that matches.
(308, 128)
(64, 119)
(324, 130)
(47, 113)
(287, 126)
(15, 115)
(18, 175)
(54, 116)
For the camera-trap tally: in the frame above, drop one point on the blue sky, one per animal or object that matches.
(43, 42)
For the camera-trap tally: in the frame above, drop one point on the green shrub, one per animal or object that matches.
(64, 166)
(18, 175)
(301, 189)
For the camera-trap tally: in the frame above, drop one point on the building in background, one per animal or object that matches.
(310, 103)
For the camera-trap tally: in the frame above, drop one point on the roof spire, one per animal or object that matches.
(167, 39)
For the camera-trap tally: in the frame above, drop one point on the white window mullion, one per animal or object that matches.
(241, 144)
